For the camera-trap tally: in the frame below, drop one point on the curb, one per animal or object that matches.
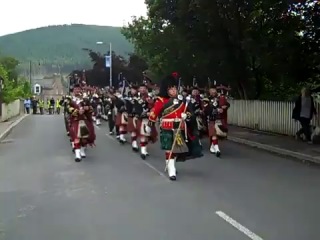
(12, 126)
(287, 153)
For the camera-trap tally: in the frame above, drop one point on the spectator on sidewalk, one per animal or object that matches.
(27, 105)
(34, 103)
(303, 111)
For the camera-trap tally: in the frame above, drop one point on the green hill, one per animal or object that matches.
(63, 44)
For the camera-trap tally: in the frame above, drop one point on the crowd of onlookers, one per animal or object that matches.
(41, 106)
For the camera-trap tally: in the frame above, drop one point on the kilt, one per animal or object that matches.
(121, 119)
(167, 139)
(212, 129)
(132, 124)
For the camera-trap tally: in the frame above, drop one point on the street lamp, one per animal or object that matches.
(108, 60)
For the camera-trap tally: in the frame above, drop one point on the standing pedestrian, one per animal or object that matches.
(27, 105)
(303, 111)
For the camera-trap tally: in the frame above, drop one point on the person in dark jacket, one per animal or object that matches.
(303, 111)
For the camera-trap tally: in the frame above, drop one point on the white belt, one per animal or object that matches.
(171, 120)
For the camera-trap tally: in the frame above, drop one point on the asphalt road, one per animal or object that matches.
(114, 195)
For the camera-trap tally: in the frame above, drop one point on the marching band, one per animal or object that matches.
(142, 114)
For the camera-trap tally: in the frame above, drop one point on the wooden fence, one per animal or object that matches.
(269, 116)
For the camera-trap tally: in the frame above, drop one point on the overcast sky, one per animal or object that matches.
(19, 15)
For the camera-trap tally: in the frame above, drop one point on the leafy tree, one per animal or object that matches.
(13, 87)
(99, 75)
(10, 64)
(263, 49)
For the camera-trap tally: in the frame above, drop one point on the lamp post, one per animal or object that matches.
(108, 62)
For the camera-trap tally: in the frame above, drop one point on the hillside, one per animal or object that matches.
(63, 44)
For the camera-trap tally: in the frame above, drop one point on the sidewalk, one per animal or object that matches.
(283, 145)
(7, 126)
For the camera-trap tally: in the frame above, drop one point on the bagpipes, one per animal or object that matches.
(124, 84)
(222, 90)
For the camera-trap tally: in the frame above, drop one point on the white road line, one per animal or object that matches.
(144, 162)
(156, 170)
(238, 226)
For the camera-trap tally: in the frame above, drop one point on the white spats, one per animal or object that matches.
(77, 153)
(171, 167)
(122, 139)
(83, 152)
(214, 148)
(134, 144)
(144, 150)
(98, 122)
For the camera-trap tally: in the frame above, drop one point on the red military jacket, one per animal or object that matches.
(171, 112)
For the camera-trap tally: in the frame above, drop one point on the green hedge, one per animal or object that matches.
(13, 89)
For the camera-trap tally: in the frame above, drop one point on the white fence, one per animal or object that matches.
(12, 109)
(269, 116)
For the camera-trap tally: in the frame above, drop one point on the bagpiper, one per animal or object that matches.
(177, 125)
(122, 116)
(82, 130)
(96, 103)
(132, 103)
(215, 106)
(143, 107)
(109, 109)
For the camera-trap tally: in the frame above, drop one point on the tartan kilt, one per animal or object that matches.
(152, 136)
(211, 129)
(132, 124)
(121, 119)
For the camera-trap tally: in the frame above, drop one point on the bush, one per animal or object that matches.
(13, 89)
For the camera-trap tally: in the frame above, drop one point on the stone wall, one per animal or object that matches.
(11, 110)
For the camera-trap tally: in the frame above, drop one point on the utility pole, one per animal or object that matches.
(30, 72)
(108, 61)
(110, 65)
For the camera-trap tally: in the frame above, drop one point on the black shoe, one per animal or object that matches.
(173, 178)
(135, 149)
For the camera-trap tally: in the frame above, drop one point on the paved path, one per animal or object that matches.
(277, 143)
(4, 126)
(115, 195)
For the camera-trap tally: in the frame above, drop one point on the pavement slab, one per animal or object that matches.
(7, 126)
(113, 194)
(284, 145)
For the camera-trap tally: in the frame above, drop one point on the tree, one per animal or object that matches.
(255, 46)
(99, 74)
(13, 86)
(10, 64)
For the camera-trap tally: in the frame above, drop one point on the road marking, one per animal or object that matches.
(144, 162)
(238, 226)
(156, 170)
